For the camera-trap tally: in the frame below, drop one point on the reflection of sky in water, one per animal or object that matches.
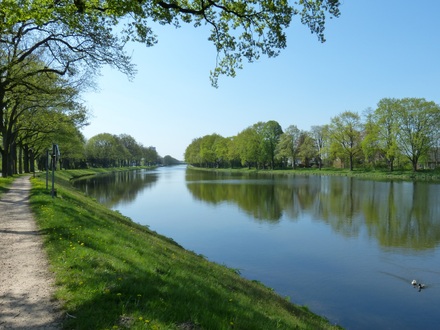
(347, 249)
(233, 181)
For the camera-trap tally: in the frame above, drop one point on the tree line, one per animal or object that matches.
(398, 133)
(108, 150)
(102, 150)
(50, 51)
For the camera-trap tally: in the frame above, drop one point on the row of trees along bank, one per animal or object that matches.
(50, 51)
(102, 150)
(398, 133)
(107, 150)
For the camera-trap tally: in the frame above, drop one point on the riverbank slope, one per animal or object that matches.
(112, 273)
(371, 174)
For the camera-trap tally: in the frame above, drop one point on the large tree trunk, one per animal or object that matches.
(414, 164)
(4, 163)
(20, 160)
(13, 159)
(3, 151)
(9, 154)
(7, 158)
(26, 158)
(391, 164)
(31, 161)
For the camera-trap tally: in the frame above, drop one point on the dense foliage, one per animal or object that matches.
(107, 150)
(400, 132)
(50, 51)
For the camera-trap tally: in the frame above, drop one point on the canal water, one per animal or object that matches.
(346, 248)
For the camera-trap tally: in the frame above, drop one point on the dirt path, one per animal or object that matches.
(26, 285)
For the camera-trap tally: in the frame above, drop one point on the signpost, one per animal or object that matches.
(55, 155)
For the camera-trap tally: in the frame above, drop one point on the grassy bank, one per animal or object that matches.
(422, 175)
(65, 176)
(112, 274)
(4, 184)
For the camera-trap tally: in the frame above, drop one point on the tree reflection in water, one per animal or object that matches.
(119, 187)
(396, 213)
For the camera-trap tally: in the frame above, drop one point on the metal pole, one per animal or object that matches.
(47, 169)
(53, 171)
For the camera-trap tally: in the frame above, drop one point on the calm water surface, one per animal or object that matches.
(346, 248)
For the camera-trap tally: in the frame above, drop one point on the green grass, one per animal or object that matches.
(379, 174)
(5, 183)
(65, 175)
(112, 274)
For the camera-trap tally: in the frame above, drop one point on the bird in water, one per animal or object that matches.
(420, 286)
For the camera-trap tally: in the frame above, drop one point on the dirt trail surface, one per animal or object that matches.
(26, 285)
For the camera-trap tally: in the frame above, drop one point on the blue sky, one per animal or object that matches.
(376, 49)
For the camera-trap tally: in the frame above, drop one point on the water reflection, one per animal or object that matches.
(346, 248)
(397, 214)
(119, 187)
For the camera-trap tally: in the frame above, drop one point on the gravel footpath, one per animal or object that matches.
(26, 285)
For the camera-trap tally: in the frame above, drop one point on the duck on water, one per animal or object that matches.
(419, 285)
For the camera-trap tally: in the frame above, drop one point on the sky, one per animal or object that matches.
(376, 49)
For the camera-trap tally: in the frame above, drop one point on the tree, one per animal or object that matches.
(384, 125)
(289, 144)
(192, 152)
(239, 29)
(307, 148)
(221, 147)
(270, 132)
(52, 127)
(168, 161)
(36, 106)
(370, 142)
(319, 134)
(208, 152)
(248, 145)
(233, 154)
(75, 39)
(102, 150)
(71, 143)
(106, 150)
(150, 155)
(435, 153)
(42, 41)
(417, 125)
(345, 132)
(134, 149)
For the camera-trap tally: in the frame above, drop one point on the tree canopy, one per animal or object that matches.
(403, 131)
(70, 33)
(73, 39)
(417, 127)
(108, 150)
(345, 134)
